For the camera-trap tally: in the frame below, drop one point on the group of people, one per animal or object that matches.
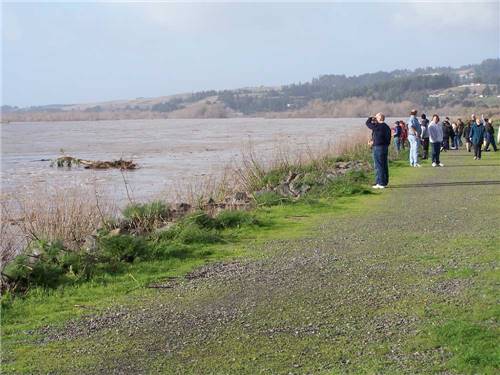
(478, 135)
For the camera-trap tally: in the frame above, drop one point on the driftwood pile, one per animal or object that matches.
(69, 161)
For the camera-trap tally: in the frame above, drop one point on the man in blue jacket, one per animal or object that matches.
(381, 139)
(477, 136)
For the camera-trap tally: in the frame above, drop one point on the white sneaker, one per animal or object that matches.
(381, 187)
(475, 157)
(417, 165)
(376, 186)
(441, 164)
(434, 164)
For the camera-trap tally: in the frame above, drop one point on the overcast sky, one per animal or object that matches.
(68, 52)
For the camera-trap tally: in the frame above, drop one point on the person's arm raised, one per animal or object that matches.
(369, 123)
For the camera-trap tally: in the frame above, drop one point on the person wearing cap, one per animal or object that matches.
(381, 138)
(414, 132)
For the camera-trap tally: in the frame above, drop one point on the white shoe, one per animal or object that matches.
(417, 165)
(434, 164)
(381, 187)
(475, 157)
(375, 186)
(441, 164)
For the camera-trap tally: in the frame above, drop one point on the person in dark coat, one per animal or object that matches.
(477, 136)
(447, 133)
(381, 139)
(424, 125)
(466, 134)
(489, 136)
(461, 126)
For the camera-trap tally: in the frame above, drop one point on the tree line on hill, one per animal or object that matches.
(398, 86)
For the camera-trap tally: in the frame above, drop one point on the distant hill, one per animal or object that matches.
(454, 90)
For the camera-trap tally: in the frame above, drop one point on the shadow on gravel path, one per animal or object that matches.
(445, 184)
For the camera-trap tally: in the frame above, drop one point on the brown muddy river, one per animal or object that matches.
(171, 153)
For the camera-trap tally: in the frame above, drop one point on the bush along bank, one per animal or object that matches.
(159, 231)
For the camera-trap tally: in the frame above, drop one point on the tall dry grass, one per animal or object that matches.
(71, 214)
(68, 215)
(253, 169)
(247, 173)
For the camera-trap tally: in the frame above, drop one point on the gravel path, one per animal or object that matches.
(349, 298)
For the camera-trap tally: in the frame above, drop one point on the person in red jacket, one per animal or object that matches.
(404, 133)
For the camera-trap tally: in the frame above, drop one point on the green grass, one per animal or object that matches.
(465, 327)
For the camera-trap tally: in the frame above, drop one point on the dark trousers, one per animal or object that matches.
(446, 144)
(425, 148)
(381, 164)
(490, 140)
(477, 150)
(436, 150)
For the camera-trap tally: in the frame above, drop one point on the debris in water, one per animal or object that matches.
(69, 161)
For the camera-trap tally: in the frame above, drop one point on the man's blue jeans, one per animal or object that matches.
(381, 164)
(413, 149)
(397, 144)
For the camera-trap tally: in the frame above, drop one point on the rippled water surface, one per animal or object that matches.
(171, 153)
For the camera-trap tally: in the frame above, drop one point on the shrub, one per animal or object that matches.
(194, 234)
(350, 184)
(200, 219)
(145, 217)
(48, 265)
(270, 198)
(165, 250)
(231, 219)
(122, 248)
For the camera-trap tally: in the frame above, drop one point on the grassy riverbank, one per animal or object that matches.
(398, 281)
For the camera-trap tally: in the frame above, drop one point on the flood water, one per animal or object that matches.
(170, 153)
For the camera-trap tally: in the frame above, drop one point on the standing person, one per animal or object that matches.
(425, 136)
(477, 137)
(452, 135)
(466, 133)
(461, 126)
(414, 132)
(381, 137)
(456, 136)
(489, 132)
(404, 134)
(435, 138)
(445, 146)
(396, 133)
(498, 135)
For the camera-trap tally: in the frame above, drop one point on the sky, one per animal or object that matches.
(65, 52)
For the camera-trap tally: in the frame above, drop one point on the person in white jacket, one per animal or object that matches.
(435, 139)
